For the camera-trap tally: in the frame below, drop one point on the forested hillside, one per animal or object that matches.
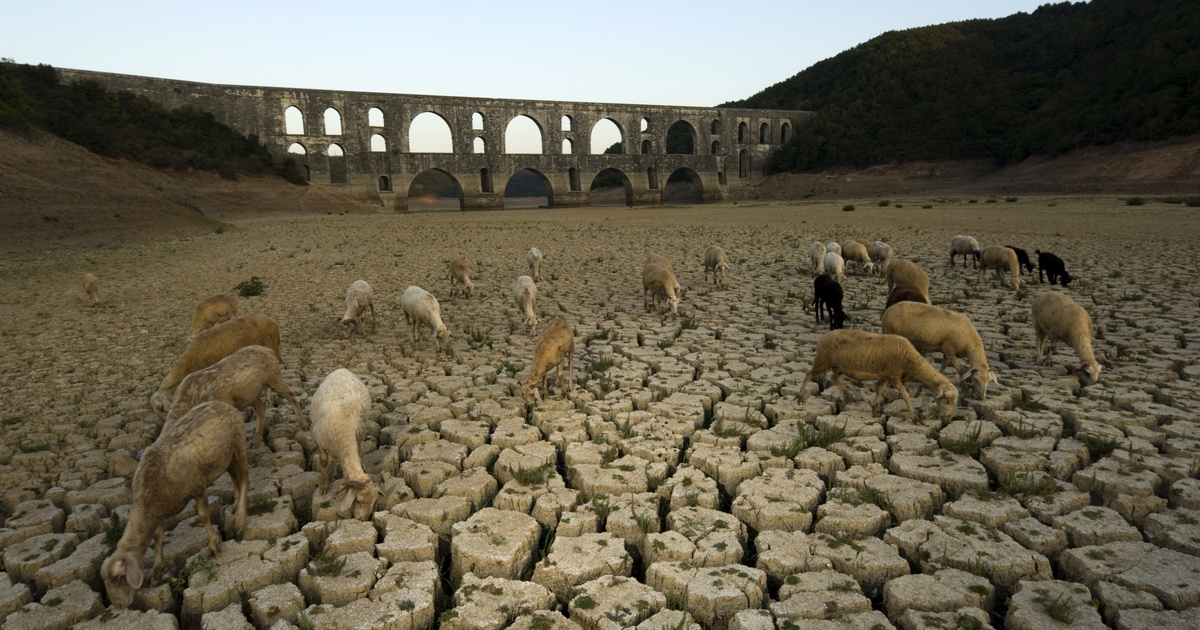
(1066, 76)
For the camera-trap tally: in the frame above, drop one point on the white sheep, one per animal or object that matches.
(867, 356)
(422, 309)
(716, 261)
(534, 258)
(1056, 317)
(525, 296)
(460, 274)
(835, 266)
(1000, 259)
(965, 246)
(178, 467)
(881, 256)
(817, 252)
(92, 288)
(359, 298)
(213, 311)
(212, 345)
(855, 251)
(835, 247)
(554, 348)
(934, 329)
(902, 271)
(339, 410)
(659, 283)
(239, 380)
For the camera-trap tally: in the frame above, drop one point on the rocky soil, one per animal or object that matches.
(679, 484)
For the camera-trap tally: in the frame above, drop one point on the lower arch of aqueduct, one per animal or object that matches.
(731, 147)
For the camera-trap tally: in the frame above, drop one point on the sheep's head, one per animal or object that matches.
(122, 575)
(442, 334)
(1064, 278)
(674, 301)
(468, 287)
(837, 319)
(359, 495)
(160, 402)
(981, 379)
(1088, 373)
(532, 393)
(946, 397)
(348, 327)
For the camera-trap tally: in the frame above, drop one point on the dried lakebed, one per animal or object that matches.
(680, 485)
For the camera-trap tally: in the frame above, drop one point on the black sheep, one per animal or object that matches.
(1054, 267)
(1022, 258)
(827, 295)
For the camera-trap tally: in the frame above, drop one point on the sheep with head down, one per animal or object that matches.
(716, 261)
(853, 251)
(525, 296)
(934, 329)
(1000, 259)
(659, 283)
(817, 252)
(359, 299)
(963, 245)
(339, 411)
(422, 309)
(92, 287)
(213, 311)
(460, 278)
(555, 348)
(902, 271)
(1056, 317)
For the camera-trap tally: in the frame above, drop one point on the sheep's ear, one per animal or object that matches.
(133, 572)
(348, 500)
(939, 393)
(967, 375)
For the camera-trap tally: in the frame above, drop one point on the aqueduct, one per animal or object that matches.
(362, 139)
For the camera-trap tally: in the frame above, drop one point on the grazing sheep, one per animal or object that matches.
(1000, 259)
(865, 242)
(212, 345)
(827, 295)
(904, 293)
(887, 358)
(534, 258)
(1056, 317)
(177, 468)
(339, 409)
(854, 251)
(833, 246)
(659, 283)
(835, 266)
(92, 289)
(525, 296)
(239, 380)
(716, 261)
(881, 256)
(554, 348)
(965, 245)
(460, 274)
(359, 298)
(654, 260)
(934, 329)
(1054, 267)
(1022, 258)
(902, 271)
(817, 252)
(213, 311)
(422, 309)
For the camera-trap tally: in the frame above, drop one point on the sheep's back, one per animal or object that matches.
(189, 455)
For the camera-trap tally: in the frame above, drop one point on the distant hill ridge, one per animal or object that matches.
(1063, 77)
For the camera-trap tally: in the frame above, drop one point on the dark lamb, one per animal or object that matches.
(1022, 258)
(828, 295)
(1054, 268)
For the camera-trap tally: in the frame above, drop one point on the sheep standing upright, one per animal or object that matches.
(933, 329)
(460, 274)
(339, 410)
(835, 266)
(177, 468)
(1000, 259)
(854, 251)
(827, 296)
(92, 288)
(902, 271)
(965, 246)
(817, 252)
(212, 345)
(881, 256)
(1054, 267)
(534, 258)
(239, 380)
(1056, 317)
(422, 309)
(359, 299)
(1022, 258)
(887, 358)
(525, 297)
(716, 261)
(213, 311)
(554, 348)
(659, 283)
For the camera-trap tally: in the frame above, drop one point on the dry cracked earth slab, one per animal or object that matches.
(680, 484)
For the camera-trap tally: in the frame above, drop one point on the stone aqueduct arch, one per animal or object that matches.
(731, 146)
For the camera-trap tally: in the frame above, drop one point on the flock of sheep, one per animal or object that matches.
(231, 361)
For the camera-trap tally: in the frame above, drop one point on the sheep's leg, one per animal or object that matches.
(323, 460)
(837, 380)
(238, 471)
(214, 541)
(558, 384)
(949, 358)
(373, 320)
(571, 370)
(878, 393)
(808, 377)
(279, 387)
(904, 394)
(158, 554)
(260, 413)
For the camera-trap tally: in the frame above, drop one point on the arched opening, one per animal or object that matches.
(605, 133)
(297, 149)
(721, 178)
(645, 125)
(785, 133)
(610, 187)
(374, 117)
(683, 186)
(307, 173)
(566, 123)
(716, 147)
(385, 183)
(477, 121)
(430, 133)
(337, 165)
(764, 134)
(528, 188)
(293, 121)
(681, 138)
(333, 122)
(741, 133)
(480, 145)
(523, 136)
(568, 147)
(715, 127)
(378, 144)
(646, 146)
(651, 178)
(573, 176)
(485, 181)
(434, 189)
(743, 164)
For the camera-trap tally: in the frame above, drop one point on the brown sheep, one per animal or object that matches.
(92, 288)
(213, 311)
(904, 293)
(460, 273)
(1001, 259)
(902, 271)
(555, 347)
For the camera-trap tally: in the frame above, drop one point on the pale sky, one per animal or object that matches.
(697, 53)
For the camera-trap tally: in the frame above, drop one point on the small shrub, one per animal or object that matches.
(1010, 199)
(253, 286)
(848, 208)
(927, 206)
(1135, 201)
(884, 203)
(972, 201)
